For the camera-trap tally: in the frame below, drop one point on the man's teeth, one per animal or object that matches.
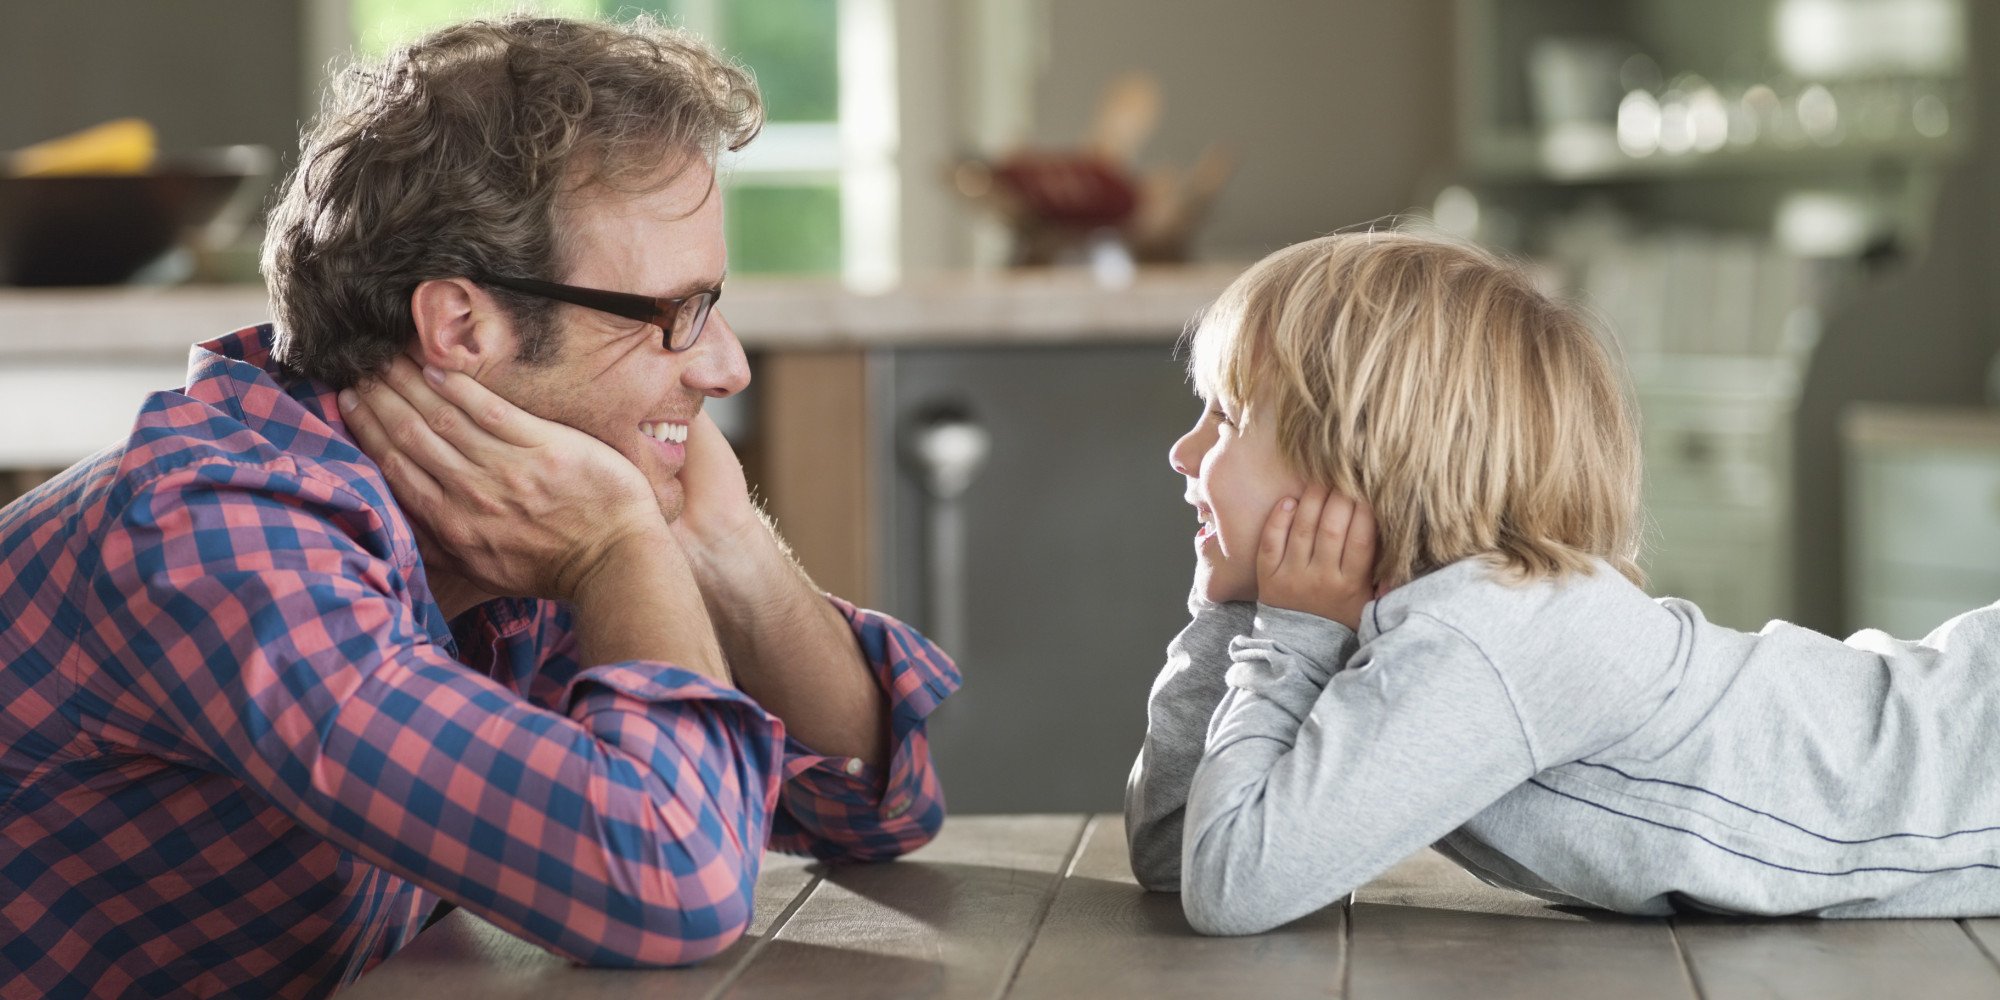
(665, 431)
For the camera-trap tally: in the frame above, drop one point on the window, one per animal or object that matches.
(817, 192)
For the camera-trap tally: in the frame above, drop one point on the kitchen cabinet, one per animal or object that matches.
(1716, 439)
(1923, 494)
(1707, 176)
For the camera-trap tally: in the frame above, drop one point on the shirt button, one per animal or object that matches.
(898, 807)
(854, 766)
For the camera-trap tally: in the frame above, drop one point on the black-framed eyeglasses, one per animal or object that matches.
(680, 319)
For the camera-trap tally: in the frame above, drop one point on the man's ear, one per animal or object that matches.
(459, 326)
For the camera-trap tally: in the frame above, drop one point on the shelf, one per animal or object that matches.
(1515, 157)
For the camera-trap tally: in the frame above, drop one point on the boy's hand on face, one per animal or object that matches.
(515, 504)
(1317, 555)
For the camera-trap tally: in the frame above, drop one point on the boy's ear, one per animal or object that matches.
(459, 326)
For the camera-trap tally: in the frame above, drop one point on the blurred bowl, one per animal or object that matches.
(101, 229)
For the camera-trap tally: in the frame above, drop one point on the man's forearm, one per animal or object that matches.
(792, 651)
(621, 607)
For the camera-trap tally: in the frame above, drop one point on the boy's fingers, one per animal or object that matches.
(1357, 556)
(1300, 544)
(1277, 527)
(1335, 523)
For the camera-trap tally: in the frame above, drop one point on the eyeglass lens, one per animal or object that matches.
(688, 321)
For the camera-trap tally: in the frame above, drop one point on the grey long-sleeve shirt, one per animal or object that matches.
(1574, 739)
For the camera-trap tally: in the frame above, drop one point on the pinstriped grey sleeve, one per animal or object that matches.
(1317, 778)
(1184, 696)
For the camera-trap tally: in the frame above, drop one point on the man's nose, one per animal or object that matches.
(720, 369)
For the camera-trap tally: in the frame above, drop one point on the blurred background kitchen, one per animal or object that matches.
(965, 246)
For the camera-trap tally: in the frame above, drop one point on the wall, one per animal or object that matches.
(1338, 111)
(207, 73)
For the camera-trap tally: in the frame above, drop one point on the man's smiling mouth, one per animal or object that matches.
(665, 430)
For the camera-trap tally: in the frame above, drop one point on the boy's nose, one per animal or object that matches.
(1185, 455)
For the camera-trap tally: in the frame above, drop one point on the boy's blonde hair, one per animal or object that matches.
(1434, 381)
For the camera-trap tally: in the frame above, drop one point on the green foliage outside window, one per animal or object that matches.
(791, 46)
(782, 230)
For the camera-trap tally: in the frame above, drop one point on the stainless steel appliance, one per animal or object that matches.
(1031, 523)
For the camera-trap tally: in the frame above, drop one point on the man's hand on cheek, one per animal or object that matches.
(716, 510)
(515, 504)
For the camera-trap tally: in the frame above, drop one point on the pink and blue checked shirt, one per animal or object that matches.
(242, 752)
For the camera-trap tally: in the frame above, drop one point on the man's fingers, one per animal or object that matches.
(403, 427)
(487, 410)
(703, 435)
(1277, 529)
(408, 479)
(445, 416)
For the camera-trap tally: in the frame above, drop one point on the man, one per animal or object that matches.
(444, 588)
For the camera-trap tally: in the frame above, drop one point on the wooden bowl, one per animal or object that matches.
(101, 229)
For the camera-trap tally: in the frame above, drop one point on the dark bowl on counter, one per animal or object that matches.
(101, 229)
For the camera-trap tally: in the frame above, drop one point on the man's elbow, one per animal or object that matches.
(678, 936)
(677, 918)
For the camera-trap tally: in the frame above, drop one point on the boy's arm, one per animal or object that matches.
(1183, 699)
(1316, 781)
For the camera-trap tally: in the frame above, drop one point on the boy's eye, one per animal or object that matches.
(1217, 415)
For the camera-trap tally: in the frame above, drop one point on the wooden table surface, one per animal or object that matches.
(1045, 906)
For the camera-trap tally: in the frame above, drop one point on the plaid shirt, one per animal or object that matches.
(242, 752)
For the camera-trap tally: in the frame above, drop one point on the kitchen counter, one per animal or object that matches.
(74, 364)
(150, 324)
(1907, 425)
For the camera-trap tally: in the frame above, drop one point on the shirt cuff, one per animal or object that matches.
(847, 800)
(650, 682)
(1325, 642)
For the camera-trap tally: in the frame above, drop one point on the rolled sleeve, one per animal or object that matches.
(624, 827)
(840, 808)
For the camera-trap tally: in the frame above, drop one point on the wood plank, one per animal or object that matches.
(1427, 928)
(1835, 959)
(952, 920)
(466, 956)
(814, 464)
(1106, 937)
